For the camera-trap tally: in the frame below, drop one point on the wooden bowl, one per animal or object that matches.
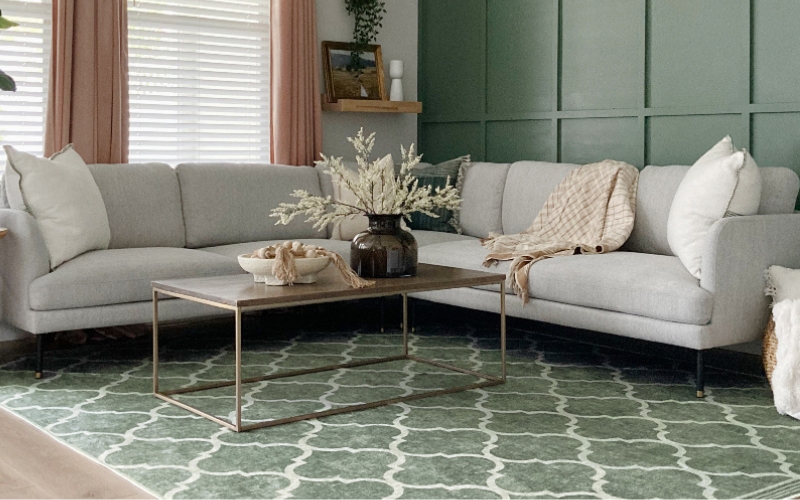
(307, 269)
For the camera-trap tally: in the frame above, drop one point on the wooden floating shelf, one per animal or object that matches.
(371, 106)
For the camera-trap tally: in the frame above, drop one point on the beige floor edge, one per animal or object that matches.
(34, 464)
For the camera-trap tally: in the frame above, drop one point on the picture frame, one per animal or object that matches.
(346, 79)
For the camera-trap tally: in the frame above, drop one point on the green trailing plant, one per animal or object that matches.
(6, 82)
(368, 16)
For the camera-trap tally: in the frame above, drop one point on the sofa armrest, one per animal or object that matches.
(737, 252)
(23, 258)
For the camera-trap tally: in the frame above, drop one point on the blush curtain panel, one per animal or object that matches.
(88, 89)
(296, 129)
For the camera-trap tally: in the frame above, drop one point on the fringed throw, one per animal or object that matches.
(350, 277)
(285, 268)
(591, 211)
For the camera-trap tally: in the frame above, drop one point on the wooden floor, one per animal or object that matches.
(34, 465)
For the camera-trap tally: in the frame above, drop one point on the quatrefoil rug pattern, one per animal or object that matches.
(574, 420)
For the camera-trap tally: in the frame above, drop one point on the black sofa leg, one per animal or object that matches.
(39, 356)
(701, 377)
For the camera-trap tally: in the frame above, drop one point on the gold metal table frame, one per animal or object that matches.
(488, 380)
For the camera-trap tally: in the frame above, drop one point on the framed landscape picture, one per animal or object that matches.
(351, 73)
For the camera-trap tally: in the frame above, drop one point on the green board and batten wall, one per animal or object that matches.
(653, 82)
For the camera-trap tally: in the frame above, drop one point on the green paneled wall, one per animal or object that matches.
(645, 81)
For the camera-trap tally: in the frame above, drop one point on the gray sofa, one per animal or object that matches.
(195, 219)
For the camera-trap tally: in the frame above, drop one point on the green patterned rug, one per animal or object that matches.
(574, 420)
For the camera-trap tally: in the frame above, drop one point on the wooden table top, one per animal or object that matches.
(241, 291)
(3, 232)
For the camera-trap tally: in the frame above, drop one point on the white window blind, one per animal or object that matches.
(199, 80)
(25, 56)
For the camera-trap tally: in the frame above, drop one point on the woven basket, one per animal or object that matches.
(769, 349)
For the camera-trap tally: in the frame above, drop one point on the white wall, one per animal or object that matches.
(398, 40)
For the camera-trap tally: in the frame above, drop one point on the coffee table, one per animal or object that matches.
(240, 294)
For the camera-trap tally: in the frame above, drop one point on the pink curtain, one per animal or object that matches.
(88, 95)
(296, 129)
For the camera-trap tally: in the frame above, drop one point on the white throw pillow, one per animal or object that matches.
(351, 226)
(747, 196)
(354, 224)
(3, 197)
(715, 187)
(62, 195)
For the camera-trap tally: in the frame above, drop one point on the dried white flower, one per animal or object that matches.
(376, 188)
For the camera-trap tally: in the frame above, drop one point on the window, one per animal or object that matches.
(199, 80)
(25, 56)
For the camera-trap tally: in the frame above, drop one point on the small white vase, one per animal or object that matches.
(396, 74)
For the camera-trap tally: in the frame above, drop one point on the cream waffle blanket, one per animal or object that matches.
(590, 211)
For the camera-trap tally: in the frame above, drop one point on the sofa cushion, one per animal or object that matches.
(121, 275)
(654, 286)
(528, 185)
(425, 238)
(657, 187)
(466, 254)
(227, 203)
(482, 186)
(143, 202)
(236, 249)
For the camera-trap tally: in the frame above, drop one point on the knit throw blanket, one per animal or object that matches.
(786, 376)
(590, 211)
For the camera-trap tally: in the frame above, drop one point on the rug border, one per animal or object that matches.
(80, 452)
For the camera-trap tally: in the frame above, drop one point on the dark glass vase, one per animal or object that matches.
(384, 250)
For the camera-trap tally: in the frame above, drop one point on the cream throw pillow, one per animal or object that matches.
(723, 182)
(62, 195)
(350, 227)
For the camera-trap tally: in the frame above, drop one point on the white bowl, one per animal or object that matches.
(261, 269)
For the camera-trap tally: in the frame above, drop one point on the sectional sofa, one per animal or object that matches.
(195, 219)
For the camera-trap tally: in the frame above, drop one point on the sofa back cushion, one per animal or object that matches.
(779, 188)
(227, 203)
(528, 185)
(143, 202)
(657, 187)
(482, 194)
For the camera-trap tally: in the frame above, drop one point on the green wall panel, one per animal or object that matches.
(776, 57)
(776, 140)
(443, 141)
(681, 140)
(651, 82)
(588, 140)
(513, 140)
(600, 54)
(696, 53)
(452, 59)
(521, 49)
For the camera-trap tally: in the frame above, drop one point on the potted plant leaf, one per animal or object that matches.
(6, 82)
(368, 16)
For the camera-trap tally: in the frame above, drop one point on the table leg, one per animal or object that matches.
(405, 324)
(238, 422)
(155, 342)
(383, 313)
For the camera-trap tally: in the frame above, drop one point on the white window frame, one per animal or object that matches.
(199, 80)
(25, 56)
